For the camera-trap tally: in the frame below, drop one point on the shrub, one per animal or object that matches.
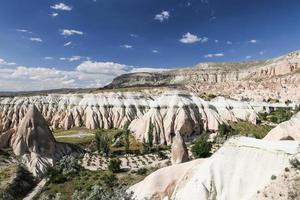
(202, 147)
(64, 169)
(114, 165)
(141, 171)
(226, 130)
(109, 179)
(161, 155)
(295, 163)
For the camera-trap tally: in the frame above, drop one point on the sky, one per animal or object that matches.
(47, 44)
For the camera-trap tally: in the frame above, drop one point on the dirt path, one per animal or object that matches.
(36, 190)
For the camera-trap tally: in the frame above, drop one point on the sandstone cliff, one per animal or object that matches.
(276, 78)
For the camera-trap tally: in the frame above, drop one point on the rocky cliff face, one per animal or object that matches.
(168, 113)
(241, 169)
(275, 78)
(34, 143)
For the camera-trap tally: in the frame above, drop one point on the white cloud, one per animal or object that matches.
(35, 39)
(48, 58)
(3, 62)
(189, 38)
(87, 74)
(133, 35)
(216, 41)
(69, 32)
(261, 52)
(148, 69)
(126, 46)
(164, 15)
(214, 55)
(74, 58)
(23, 31)
(67, 44)
(253, 41)
(54, 14)
(155, 51)
(61, 6)
(229, 42)
(248, 57)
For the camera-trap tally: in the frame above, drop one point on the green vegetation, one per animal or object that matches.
(277, 116)
(227, 131)
(75, 130)
(118, 141)
(248, 129)
(76, 182)
(83, 141)
(15, 182)
(202, 147)
(102, 143)
(207, 97)
(114, 165)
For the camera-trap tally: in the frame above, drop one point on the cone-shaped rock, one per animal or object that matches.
(36, 145)
(179, 153)
(34, 135)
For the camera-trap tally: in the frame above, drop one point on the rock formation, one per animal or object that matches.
(288, 130)
(179, 152)
(35, 144)
(276, 78)
(161, 183)
(170, 112)
(241, 168)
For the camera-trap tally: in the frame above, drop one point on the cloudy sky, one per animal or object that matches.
(46, 44)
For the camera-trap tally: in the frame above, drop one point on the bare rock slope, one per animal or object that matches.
(241, 169)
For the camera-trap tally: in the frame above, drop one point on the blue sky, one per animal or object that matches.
(86, 43)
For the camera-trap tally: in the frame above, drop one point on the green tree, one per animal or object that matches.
(150, 134)
(126, 140)
(202, 147)
(114, 165)
(102, 143)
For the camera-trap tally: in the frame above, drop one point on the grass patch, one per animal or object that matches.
(83, 141)
(75, 130)
(277, 116)
(248, 129)
(89, 141)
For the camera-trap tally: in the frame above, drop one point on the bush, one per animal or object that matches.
(226, 130)
(141, 171)
(202, 147)
(64, 169)
(114, 165)
(161, 155)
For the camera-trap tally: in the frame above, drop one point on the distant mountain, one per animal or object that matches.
(277, 78)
